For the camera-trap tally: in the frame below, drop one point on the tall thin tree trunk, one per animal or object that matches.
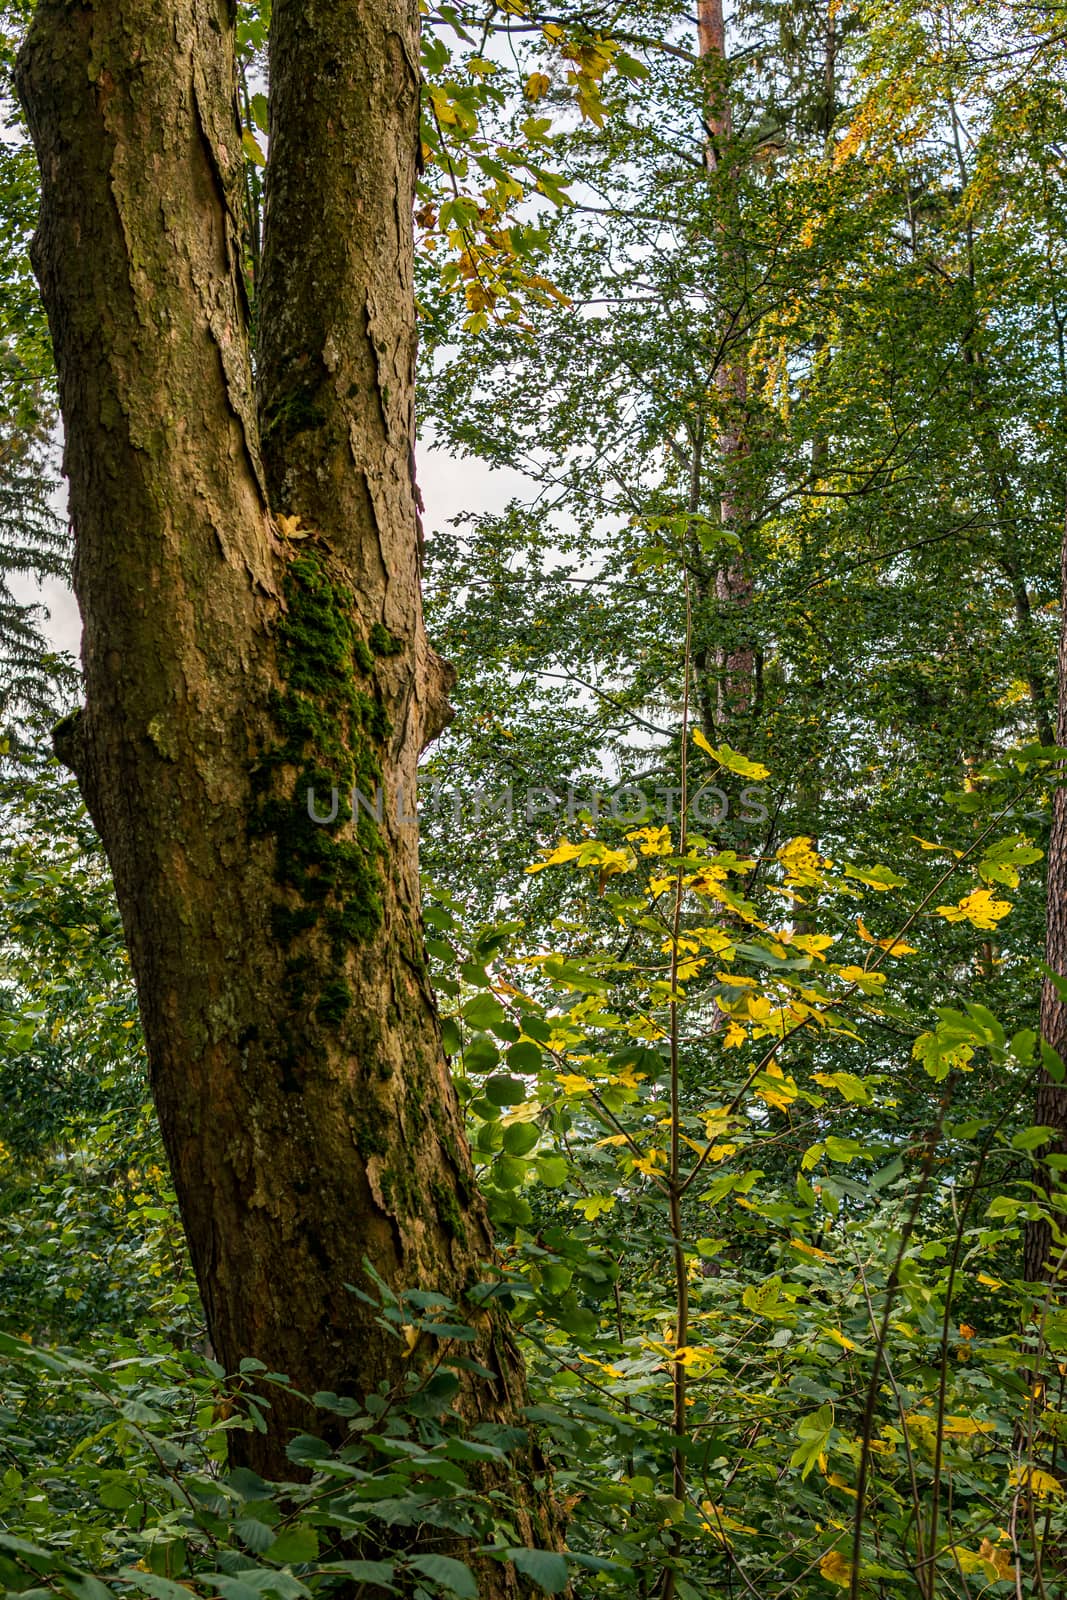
(248, 574)
(1050, 1108)
(736, 659)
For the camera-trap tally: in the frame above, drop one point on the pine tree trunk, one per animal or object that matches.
(235, 656)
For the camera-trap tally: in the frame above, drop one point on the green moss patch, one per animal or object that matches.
(331, 727)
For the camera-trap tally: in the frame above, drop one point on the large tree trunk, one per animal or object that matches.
(232, 659)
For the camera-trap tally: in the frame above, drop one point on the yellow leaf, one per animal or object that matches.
(811, 1250)
(944, 849)
(732, 760)
(801, 861)
(998, 1559)
(897, 947)
(652, 841)
(573, 1083)
(1041, 1484)
(719, 1525)
(564, 851)
(537, 86)
(835, 1569)
(978, 908)
(775, 1089)
(812, 944)
(863, 980)
(966, 1427)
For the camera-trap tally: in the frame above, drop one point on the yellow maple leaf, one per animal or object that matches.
(945, 849)
(1042, 1485)
(965, 1427)
(835, 1569)
(998, 1559)
(564, 851)
(731, 759)
(812, 944)
(652, 841)
(775, 1089)
(896, 947)
(978, 908)
(811, 1250)
(719, 1525)
(801, 861)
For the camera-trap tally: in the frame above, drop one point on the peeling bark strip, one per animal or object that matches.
(293, 1042)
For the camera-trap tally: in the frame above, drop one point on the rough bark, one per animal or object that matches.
(1043, 1257)
(232, 659)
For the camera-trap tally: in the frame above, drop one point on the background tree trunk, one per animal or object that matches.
(735, 661)
(1050, 1107)
(293, 1042)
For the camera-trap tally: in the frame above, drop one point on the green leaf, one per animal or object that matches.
(151, 1584)
(83, 1586)
(552, 1171)
(481, 1054)
(379, 1572)
(1032, 1138)
(524, 1057)
(306, 1448)
(763, 1299)
(813, 1432)
(483, 1011)
(256, 1535)
(845, 1149)
(504, 1090)
(520, 1138)
(295, 1545)
(230, 1588)
(547, 1568)
(454, 1575)
(509, 1172)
